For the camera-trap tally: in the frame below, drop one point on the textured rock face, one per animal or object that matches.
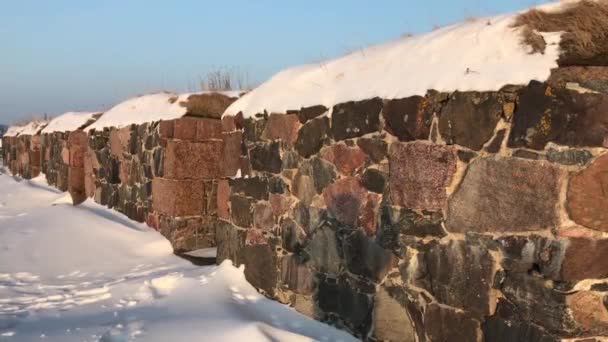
(469, 119)
(561, 116)
(449, 217)
(419, 174)
(505, 194)
(588, 196)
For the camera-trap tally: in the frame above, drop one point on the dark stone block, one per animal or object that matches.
(469, 118)
(532, 255)
(355, 119)
(457, 274)
(242, 212)
(447, 324)
(253, 129)
(294, 237)
(340, 297)
(308, 113)
(323, 173)
(375, 148)
(558, 115)
(365, 257)
(395, 222)
(408, 118)
(256, 187)
(525, 154)
(569, 157)
(277, 185)
(374, 180)
(266, 157)
(466, 155)
(312, 136)
(496, 143)
(536, 302)
(262, 269)
(496, 329)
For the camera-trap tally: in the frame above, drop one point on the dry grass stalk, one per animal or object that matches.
(585, 31)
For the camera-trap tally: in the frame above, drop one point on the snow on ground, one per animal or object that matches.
(482, 54)
(69, 121)
(87, 273)
(148, 108)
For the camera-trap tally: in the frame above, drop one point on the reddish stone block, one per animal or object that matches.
(282, 126)
(65, 155)
(193, 160)
(588, 196)
(165, 129)
(35, 158)
(589, 311)
(280, 204)
(178, 197)
(584, 259)
(344, 199)
(420, 174)
(263, 216)
(369, 213)
(76, 185)
(228, 124)
(208, 129)
(347, 159)
(231, 162)
(185, 129)
(223, 198)
(119, 141)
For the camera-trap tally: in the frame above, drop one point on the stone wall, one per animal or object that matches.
(465, 216)
(22, 155)
(55, 159)
(462, 216)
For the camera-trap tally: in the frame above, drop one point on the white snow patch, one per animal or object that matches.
(87, 273)
(482, 55)
(69, 121)
(31, 128)
(148, 108)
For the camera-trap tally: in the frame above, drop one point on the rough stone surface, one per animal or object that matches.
(562, 116)
(458, 274)
(582, 259)
(178, 197)
(446, 325)
(193, 160)
(419, 174)
(355, 119)
(588, 196)
(375, 148)
(283, 127)
(344, 199)
(469, 118)
(391, 322)
(346, 159)
(312, 136)
(505, 194)
(408, 118)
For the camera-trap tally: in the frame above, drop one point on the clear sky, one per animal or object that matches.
(63, 55)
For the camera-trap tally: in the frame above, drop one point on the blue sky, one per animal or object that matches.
(65, 55)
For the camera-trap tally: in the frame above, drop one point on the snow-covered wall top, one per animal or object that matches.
(31, 128)
(69, 121)
(148, 108)
(483, 54)
(12, 131)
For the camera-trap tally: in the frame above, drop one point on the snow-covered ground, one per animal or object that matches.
(87, 273)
